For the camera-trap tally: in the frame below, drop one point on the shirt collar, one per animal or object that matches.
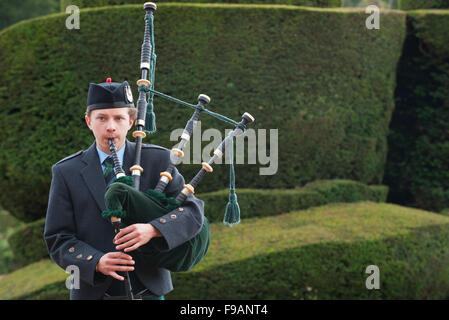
(120, 153)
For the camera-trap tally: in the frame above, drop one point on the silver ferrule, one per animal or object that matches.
(164, 179)
(144, 65)
(186, 192)
(218, 153)
(186, 136)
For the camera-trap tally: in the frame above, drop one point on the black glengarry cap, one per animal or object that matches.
(109, 94)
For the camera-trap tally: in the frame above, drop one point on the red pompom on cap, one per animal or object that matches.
(108, 80)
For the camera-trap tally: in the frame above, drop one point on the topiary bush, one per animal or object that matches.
(100, 3)
(263, 203)
(323, 253)
(423, 4)
(334, 191)
(320, 253)
(7, 225)
(28, 246)
(44, 277)
(260, 59)
(417, 169)
(27, 243)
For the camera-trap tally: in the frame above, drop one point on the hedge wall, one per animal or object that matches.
(100, 3)
(321, 253)
(260, 59)
(263, 203)
(35, 277)
(423, 4)
(28, 245)
(417, 170)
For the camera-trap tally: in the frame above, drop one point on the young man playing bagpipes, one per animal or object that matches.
(76, 234)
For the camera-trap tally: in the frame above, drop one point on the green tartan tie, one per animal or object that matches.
(109, 174)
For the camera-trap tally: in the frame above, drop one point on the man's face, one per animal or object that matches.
(109, 123)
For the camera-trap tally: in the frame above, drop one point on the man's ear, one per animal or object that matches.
(86, 118)
(131, 121)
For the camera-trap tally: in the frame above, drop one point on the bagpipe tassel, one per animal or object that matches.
(232, 214)
(150, 121)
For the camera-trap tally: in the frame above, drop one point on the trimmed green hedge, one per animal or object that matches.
(7, 221)
(40, 277)
(325, 250)
(320, 253)
(7, 225)
(417, 170)
(260, 59)
(328, 271)
(334, 191)
(28, 245)
(100, 3)
(423, 4)
(263, 203)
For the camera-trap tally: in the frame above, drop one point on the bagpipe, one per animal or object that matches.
(127, 205)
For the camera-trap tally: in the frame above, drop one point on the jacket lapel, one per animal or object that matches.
(93, 175)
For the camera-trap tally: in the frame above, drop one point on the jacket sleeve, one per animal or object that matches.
(60, 234)
(178, 227)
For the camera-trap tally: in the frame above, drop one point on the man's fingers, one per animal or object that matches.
(116, 276)
(125, 238)
(122, 268)
(122, 261)
(115, 261)
(127, 244)
(134, 247)
(117, 267)
(124, 231)
(119, 255)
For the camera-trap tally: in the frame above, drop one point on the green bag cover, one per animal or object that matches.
(134, 206)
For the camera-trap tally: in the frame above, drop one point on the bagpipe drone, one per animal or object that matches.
(127, 205)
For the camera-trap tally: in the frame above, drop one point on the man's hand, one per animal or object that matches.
(134, 236)
(112, 262)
